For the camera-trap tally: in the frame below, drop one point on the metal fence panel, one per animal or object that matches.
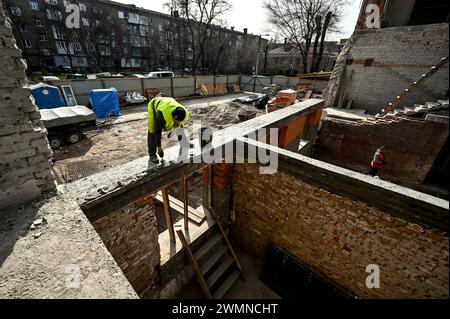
(204, 80)
(183, 86)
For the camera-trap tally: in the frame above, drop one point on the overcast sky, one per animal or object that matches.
(250, 14)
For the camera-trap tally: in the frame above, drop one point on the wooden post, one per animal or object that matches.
(171, 87)
(186, 203)
(168, 216)
(142, 87)
(194, 264)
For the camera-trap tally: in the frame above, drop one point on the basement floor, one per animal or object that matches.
(251, 288)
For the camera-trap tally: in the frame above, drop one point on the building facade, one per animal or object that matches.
(121, 38)
(285, 58)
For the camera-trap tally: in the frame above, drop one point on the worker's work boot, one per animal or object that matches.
(154, 159)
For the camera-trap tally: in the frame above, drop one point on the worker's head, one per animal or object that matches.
(381, 149)
(179, 114)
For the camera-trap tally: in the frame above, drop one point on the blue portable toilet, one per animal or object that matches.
(46, 96)
(105, 102)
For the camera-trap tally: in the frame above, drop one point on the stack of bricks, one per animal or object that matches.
(283, 99)
(24, 169)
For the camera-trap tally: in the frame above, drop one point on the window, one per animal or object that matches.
(57, 34)
(22, 28)
(38, 23)
(76, 46)
(143, 20)
(97, 23)
(43, 37)
(33, 5)
(47, 52)
(82, 7)
(80, 60)
(54, 14)
(120, 14)
(98, 10)
(61, 47)
(91, 47)
(65, 3)
(27, 44)
(160, 27)
(85, 22)
(133, 18)
(16, 11)
(53, 2)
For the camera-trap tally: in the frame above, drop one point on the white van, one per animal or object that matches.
(161, 74)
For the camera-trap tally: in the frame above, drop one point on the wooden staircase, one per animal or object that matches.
(414, 85)
(215, 264)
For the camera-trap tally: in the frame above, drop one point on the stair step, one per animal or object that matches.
(207, 246)
(213, 260)
(226, 285)
(219, 271)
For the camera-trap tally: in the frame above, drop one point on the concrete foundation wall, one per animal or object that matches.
(24, 150)
(398, 57)
(412, 146)
(131, 235)
(338, 237)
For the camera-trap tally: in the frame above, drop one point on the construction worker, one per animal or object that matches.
(378, 162)
(164, 114)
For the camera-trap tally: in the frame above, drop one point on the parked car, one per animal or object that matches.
(47, 78)
(139, 76)
(160, 74)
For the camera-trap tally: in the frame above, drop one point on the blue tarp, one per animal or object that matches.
(105, 102)
(47, 96)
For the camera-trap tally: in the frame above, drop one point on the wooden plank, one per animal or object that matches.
(225, 237)
(221, 250)
(168, 216)
(186, 203)
(219, 271)
(194, 264)
(223, 289)
(207, 246)
(178, 205)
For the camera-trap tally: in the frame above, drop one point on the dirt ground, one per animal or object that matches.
(119, 140)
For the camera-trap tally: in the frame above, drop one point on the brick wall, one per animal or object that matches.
(24, 150)
(131, 235)
(400, 56)
(412, 145)
(338, 237)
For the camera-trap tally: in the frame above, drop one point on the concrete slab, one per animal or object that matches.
(49, 249)
(352, 114)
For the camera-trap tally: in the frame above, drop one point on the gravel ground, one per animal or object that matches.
(125, 139)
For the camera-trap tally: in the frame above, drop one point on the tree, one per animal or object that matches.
(301, 21)
(199, 16)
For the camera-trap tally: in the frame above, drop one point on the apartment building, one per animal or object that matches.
(122, 38)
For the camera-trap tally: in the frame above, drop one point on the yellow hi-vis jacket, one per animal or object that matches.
(166, 106)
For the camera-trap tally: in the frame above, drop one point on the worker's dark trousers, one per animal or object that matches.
(374, 171)
(151, 141)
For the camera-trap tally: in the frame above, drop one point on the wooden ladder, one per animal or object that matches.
(215, 264)
(414, 85)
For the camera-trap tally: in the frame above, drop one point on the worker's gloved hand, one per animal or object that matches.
(160, 152)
